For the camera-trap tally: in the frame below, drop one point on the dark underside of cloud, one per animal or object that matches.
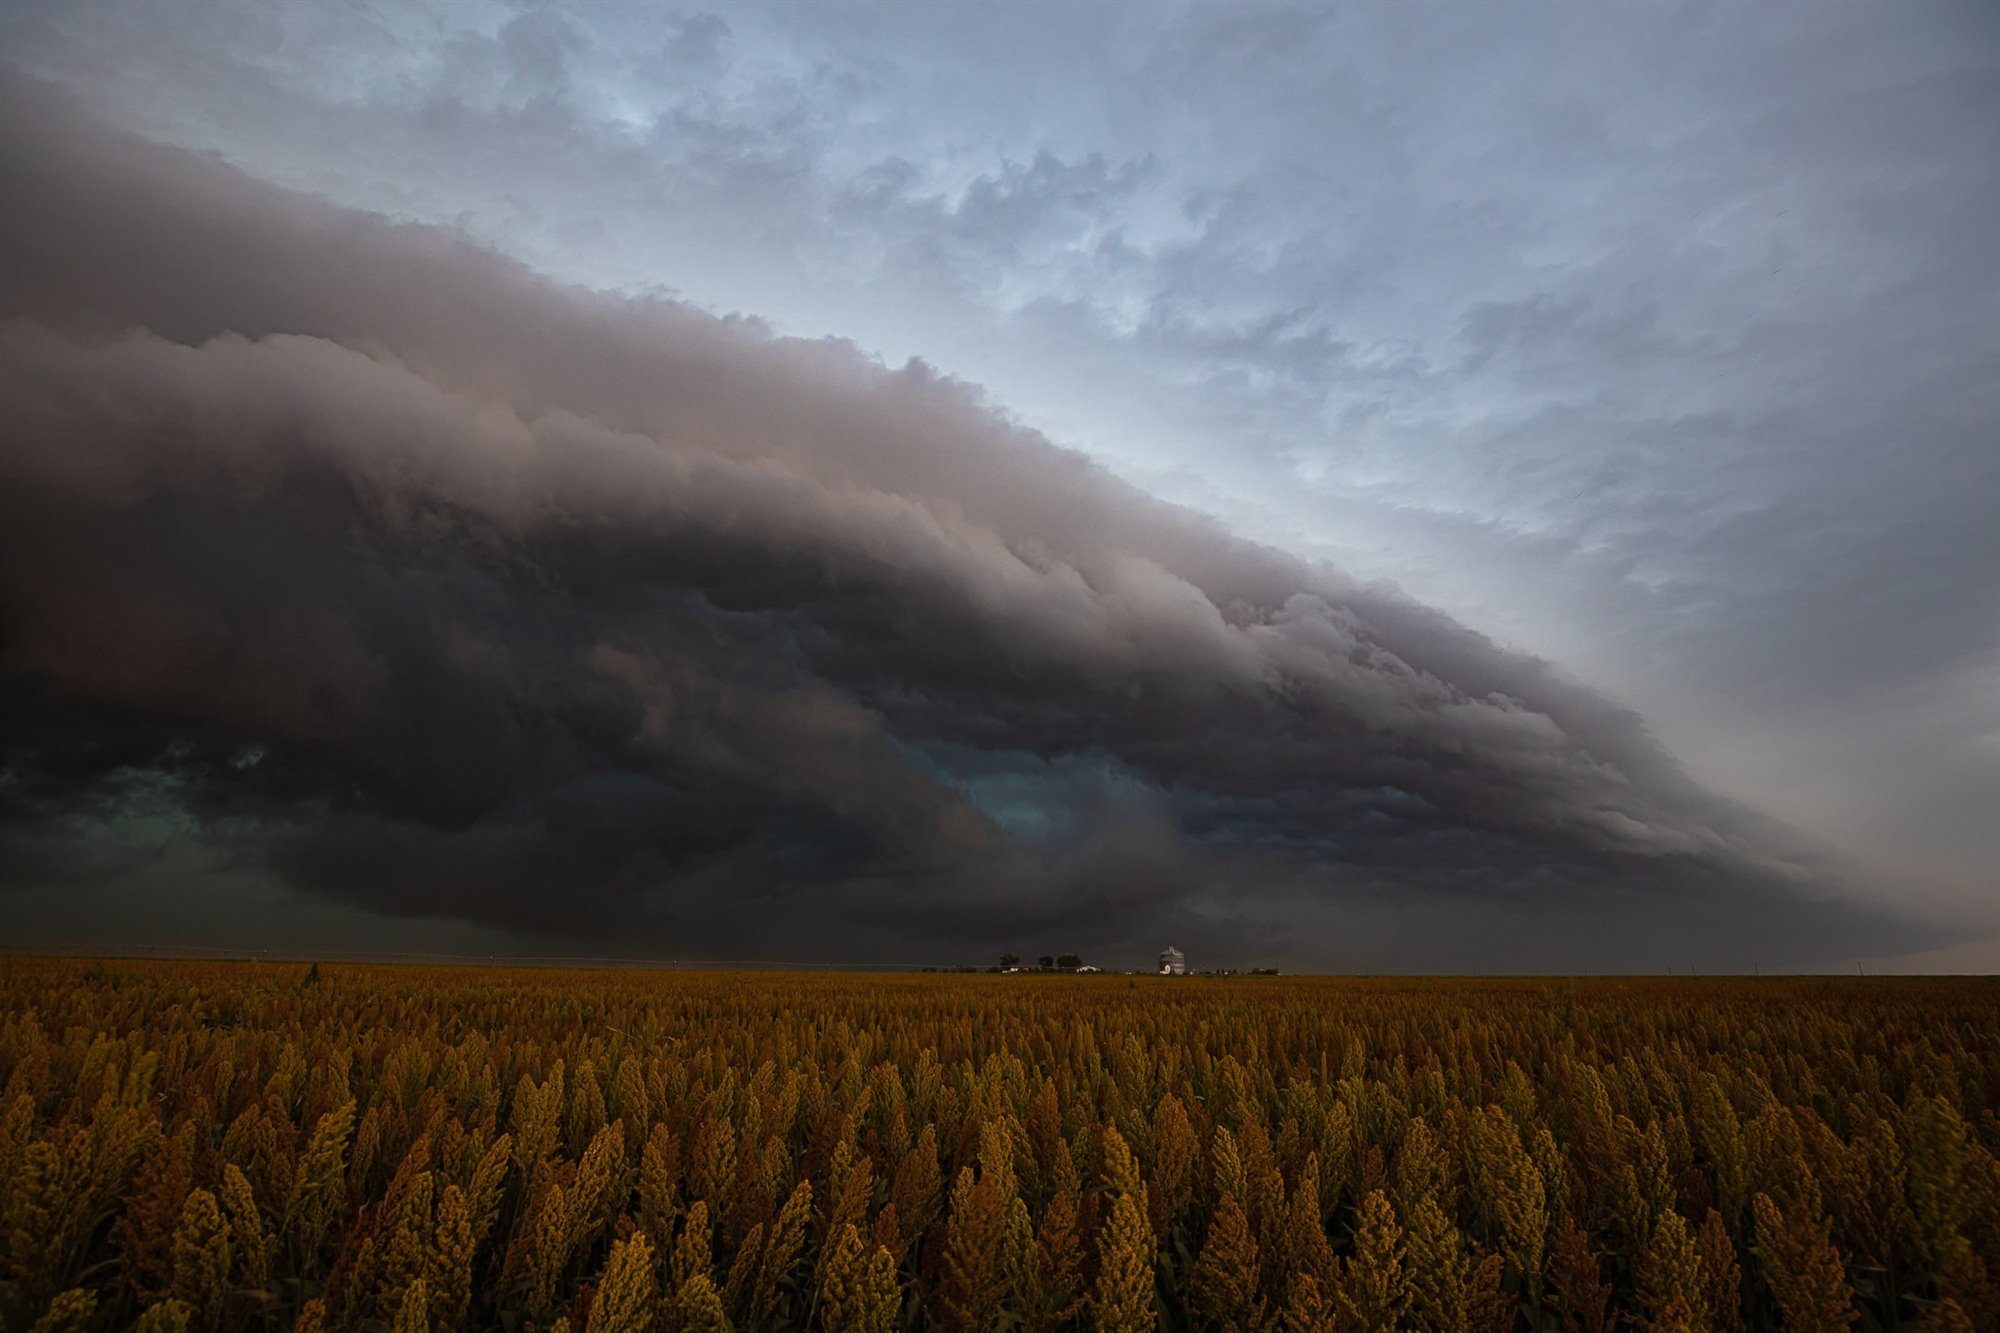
(375, 564)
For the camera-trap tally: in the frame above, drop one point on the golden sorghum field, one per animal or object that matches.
(247, 1146)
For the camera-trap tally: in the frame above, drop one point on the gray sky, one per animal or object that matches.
(1658, 342)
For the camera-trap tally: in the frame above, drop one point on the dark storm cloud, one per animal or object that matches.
(427, 585)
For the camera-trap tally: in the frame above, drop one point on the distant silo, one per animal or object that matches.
(1173, 963)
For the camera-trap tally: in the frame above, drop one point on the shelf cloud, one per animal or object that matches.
(389, 572)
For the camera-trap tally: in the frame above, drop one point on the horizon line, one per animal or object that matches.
(602, 962)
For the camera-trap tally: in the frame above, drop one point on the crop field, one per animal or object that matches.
(255, 1146)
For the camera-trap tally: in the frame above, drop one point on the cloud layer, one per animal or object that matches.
(390, 571)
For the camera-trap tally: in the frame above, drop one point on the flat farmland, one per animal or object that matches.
(261, 1146)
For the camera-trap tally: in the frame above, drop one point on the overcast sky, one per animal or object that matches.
(1595, 412)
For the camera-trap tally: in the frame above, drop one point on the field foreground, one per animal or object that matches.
(256, 1146)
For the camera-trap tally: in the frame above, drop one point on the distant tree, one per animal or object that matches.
(1047, 961)
(1069, 960)
(1010, 960)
